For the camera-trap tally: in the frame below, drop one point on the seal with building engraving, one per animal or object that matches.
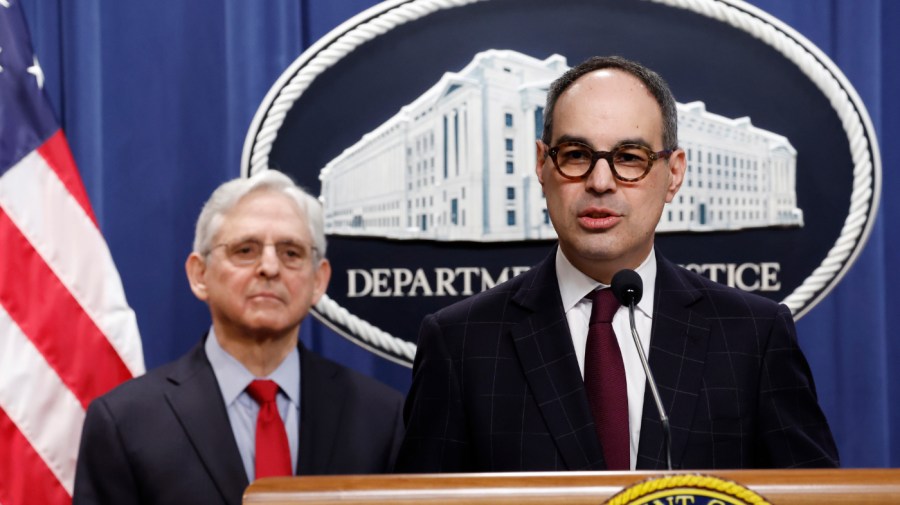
(421, 145)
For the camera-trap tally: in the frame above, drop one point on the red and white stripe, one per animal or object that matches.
(67, 334)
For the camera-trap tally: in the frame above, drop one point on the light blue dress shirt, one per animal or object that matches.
(233, 379)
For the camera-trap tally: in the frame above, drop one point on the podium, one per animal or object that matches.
(778, 487)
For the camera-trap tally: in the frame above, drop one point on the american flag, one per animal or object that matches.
(67, 335)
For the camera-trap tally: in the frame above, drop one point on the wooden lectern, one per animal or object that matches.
(778, 487)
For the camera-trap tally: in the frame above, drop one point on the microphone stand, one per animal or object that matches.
(663, 418)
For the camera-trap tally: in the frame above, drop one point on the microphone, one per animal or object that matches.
(628, 289)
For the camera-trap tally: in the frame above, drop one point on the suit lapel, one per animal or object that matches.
(194, 396)
(544, 347)
(677, 357)
(321, 402)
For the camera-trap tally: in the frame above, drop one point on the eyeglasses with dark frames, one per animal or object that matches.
(628, 162)
(249, 252)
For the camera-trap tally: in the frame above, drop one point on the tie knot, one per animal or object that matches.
(605, 306)
(263, 391)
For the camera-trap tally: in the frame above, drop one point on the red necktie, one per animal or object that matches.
(273, 455)
(604, 380)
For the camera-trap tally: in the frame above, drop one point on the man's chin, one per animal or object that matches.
(594, 249)
(269, 329)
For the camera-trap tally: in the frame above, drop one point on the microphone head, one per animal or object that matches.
(627, 286)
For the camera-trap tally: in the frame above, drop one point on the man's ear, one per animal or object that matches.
(195, 267)
(677, 169)
(540, 158)
(322, 276)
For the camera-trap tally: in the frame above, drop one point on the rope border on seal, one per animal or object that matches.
(810, 60)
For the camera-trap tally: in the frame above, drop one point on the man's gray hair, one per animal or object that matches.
(227, 195)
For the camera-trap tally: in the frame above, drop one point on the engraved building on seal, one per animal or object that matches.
(458, 163)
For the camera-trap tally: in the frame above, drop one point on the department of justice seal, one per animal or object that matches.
(690, 489)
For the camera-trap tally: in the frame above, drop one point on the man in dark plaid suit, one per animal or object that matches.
(498, 378)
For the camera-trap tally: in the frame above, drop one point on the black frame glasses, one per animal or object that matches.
(579, 160)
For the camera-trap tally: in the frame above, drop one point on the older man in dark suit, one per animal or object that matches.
(249, 401)
(541, 373)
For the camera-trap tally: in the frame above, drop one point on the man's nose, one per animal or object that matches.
(601, 178)
(269, 264)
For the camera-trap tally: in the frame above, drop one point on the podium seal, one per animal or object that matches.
(690, 489)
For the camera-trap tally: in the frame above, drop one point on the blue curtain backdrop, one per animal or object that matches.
(156, 98)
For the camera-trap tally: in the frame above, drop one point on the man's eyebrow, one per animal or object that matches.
(243, 238)
(633, 141)
(290, 241)
(581, 140)
(574, 138)
(255, 238)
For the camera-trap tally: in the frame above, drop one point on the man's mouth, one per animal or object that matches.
(598, 219)
(265, 295)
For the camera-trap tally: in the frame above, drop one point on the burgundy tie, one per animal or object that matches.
(604, 380)
(273, 455)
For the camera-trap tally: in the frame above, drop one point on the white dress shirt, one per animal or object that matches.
(574, 286)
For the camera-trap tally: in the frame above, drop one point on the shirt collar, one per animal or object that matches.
(574, 284)
(233, 377)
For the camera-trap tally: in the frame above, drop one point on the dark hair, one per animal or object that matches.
(655, 85)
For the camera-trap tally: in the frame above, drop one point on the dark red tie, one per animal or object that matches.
(604, 379)
(273, 455)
